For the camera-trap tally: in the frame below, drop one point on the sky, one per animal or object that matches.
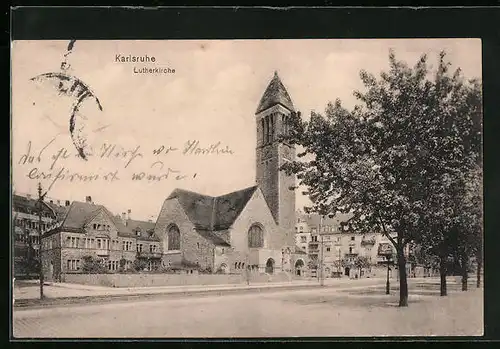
(212, 97)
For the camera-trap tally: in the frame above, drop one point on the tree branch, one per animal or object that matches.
(385, 231)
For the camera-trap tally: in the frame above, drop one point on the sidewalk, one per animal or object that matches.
(29, 295)
(61, 293)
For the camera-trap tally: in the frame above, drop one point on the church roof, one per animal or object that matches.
(213, 213)
(275, 93)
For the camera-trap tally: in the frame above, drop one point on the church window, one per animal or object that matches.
(255, 237)
(267, 129)
(174, 238)
(263, 131)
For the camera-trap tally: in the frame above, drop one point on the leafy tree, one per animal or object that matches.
(361, 262)
(378, 161)
(139, 264)
(467, 240)
(454, 151)
(92, 265)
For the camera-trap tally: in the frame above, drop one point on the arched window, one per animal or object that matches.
(236, 265)
(255, 237)
(174, 238)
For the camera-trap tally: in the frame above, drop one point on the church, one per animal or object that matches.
(251, 229)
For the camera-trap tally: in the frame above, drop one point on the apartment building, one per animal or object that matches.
(91, 231)
(329, 242)
(25, 229)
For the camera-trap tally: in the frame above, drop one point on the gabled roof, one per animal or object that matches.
(60, 211)
(213, 213)
(275, 93)
(229, 207)
(24, 203)
(146, 229)
(81, 213)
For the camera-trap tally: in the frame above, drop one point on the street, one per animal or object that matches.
(348, 311)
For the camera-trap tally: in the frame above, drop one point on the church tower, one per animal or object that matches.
(272, 117)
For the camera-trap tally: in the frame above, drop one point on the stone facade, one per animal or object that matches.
(193, 247)
(26, 233)
(276, 185)
(102, 237)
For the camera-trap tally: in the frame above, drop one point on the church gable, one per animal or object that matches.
(255, 213)
(172, 215)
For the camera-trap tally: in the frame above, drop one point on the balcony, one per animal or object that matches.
(102, 252)
(147, 254)
(368, 242)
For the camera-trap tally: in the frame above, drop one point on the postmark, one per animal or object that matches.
(71, 86)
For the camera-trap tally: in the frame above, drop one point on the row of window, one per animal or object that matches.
(105, 244)
(152, 248)
(32, 212)
(314, 238)
(31, 224)
(97, 226)
(73, 264)
(33, 239)
(268, 127)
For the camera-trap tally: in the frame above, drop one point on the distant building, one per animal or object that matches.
(329, 239)
(25, 223)
(91, 230)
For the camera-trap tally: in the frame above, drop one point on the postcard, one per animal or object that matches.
(159, 172)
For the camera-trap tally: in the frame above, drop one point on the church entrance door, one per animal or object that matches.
(270, 266)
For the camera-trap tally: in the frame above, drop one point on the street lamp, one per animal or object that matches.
(40, 207)
(321, 276)
(388, 257)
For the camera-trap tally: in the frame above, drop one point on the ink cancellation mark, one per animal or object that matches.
(71, 86)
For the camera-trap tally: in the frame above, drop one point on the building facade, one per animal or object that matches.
(90, 232)
(26, 239)
(330, 243)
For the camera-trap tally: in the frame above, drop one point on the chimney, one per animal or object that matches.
(129, 212)
(124, 218)
(51, 201)
(88, 199)
(67, 203)
(58, 202)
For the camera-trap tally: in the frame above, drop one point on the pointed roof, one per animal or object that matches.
(275, 93)
(213, 213)
(144, 227)
(81, 213)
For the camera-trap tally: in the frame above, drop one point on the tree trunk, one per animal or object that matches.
(403, 281)
(465, 262)
(442, 273)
